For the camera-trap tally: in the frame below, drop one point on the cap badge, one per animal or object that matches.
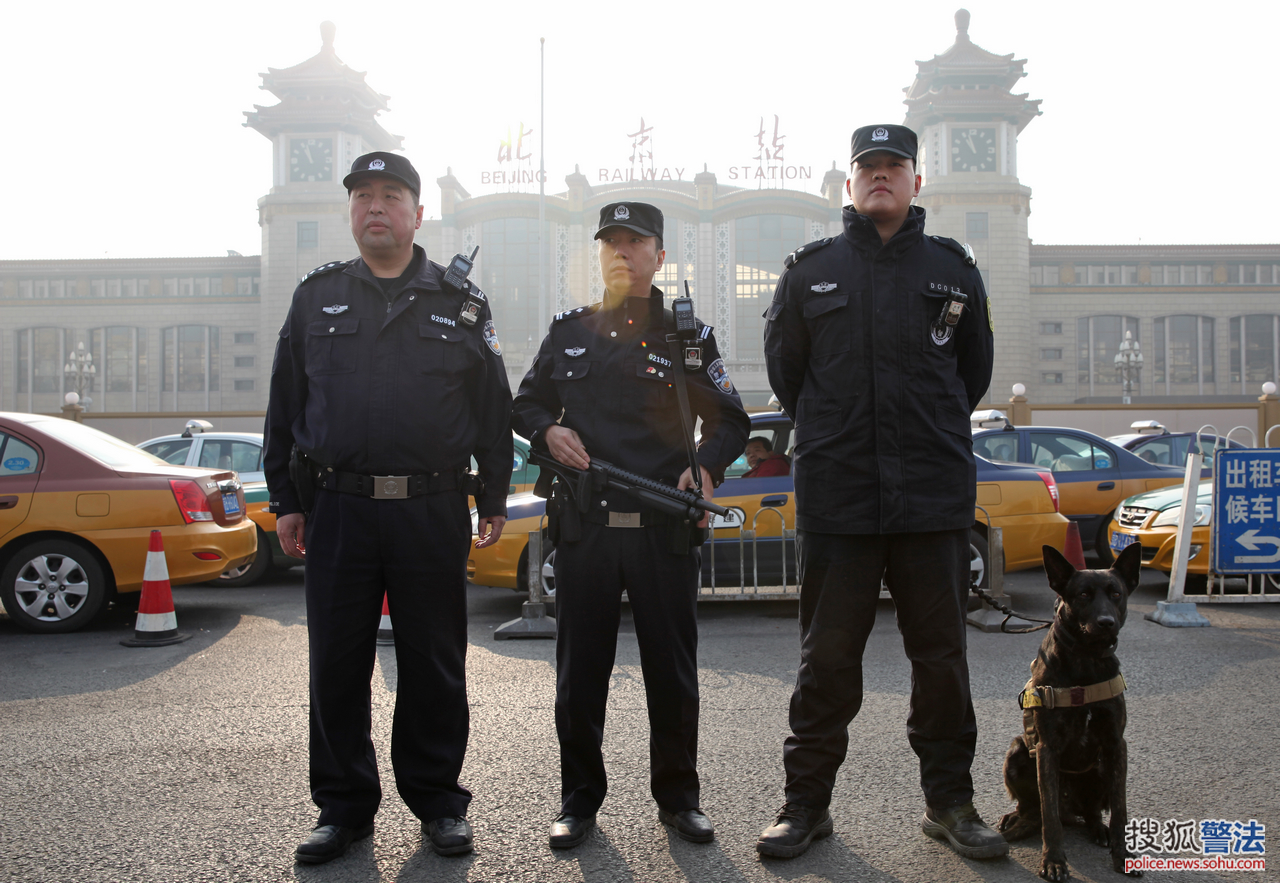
(880, 134)
(574, 351)
(336, 309)
(378, 165)
(621, 213)
(822, 287)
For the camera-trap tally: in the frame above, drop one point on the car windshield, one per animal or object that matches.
(106, 449)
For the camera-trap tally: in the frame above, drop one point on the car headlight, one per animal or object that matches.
(1173, 515)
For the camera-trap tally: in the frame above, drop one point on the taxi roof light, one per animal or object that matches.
(1148, 427)
(990, 419)
(195, 426)
(192, 502)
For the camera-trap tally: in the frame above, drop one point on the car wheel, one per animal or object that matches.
(1102, 543)
(53, 586)
(1271, 583)
(250, 573)
(979, 561)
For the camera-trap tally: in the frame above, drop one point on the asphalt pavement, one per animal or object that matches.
(189, 762)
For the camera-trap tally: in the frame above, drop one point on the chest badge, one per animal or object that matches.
(823, 287)
(336, 309)
(574, 351)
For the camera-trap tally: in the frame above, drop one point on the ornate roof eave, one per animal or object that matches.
(957, 104)
(322, 71)
(272, 121)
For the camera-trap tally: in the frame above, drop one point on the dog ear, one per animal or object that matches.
(1128, 566)
(1058, 568)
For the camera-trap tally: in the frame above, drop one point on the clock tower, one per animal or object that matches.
(326, 117)
(962, 107)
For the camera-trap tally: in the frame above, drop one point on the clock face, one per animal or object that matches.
(311, 159)
(973, 150)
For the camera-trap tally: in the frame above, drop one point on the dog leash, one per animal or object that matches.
(1010, 613)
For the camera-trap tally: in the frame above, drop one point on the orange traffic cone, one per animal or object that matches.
(384, 627)
(1074, 551)
(157, 624)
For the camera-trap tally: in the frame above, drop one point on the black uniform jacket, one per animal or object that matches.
(881, 403)
(379, 389)
(608, 368)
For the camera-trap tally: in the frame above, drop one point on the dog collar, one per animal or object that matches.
(1033, 696)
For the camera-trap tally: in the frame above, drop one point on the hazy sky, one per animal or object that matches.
(125, 135)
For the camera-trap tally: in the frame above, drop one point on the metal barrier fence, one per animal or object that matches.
(1179, 607)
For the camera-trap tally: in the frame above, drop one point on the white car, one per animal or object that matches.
(197, 446)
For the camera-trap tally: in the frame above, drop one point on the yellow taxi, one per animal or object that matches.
(755, 546)
(1093, 474)
(77, 507)
(1152, 519)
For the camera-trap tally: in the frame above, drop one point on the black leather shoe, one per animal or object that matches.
(963, 828)
(328, 842)
(449, 836)
(690, 824)
(796, 828)
(568, 830)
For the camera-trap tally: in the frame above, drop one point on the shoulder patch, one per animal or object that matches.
(573, 314)
(961, 249)
(326, 268)
(805, 250)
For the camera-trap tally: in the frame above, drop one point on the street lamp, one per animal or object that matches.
(80, 371)
(1129, 364)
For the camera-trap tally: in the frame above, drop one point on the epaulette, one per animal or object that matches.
(569, 314)
(326, 268)
(804, 251)
(961, 249)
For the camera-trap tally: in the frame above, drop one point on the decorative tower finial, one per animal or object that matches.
(962, 26)
(327, 30)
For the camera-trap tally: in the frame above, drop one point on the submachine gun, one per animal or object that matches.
(580, 484)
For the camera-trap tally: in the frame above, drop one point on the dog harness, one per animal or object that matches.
(1033, 697)
(1069, 697)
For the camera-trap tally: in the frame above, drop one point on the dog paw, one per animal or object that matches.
(1055, 870)
(1117, 863)
(1016, 826)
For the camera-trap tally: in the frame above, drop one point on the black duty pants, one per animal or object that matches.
(415, 550)
(928, 577)
(662, 587)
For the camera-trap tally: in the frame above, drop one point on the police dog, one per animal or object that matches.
(1071, 761)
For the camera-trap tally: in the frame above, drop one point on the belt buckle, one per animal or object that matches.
(624, 519)
(390, 487)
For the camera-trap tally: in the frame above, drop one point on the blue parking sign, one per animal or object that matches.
(1246, 510)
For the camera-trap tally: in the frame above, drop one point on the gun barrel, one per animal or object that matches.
(660, 496)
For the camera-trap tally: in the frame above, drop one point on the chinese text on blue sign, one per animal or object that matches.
(1246, 511)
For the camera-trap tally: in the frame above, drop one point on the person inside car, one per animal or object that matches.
(764, 461)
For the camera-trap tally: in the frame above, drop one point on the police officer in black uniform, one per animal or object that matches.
(879, 344)
(387, 393)
(609, 370)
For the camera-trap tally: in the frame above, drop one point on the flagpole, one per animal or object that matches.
(543, 312)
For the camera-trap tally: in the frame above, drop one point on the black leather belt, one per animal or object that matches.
(389, 487)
